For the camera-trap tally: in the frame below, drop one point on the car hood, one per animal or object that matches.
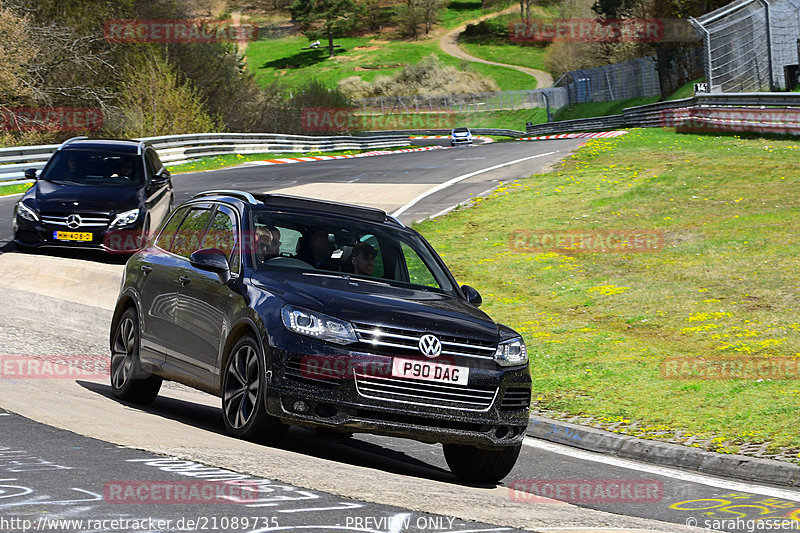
(378, 303)
(461, 135)
(63, 196)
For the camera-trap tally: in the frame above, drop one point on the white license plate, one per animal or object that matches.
(429, 371)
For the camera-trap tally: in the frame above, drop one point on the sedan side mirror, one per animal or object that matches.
(212, 260)
(473, 296)
(30, 174)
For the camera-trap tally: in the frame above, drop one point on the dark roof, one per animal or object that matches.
(118, 145)
(297, 203)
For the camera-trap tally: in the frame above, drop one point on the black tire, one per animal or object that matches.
(243, 387)
(475, 465)
(129, 382)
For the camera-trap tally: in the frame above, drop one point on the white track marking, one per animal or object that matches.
(457, 179)
(662, 471)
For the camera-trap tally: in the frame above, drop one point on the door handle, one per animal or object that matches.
(184, 280)
(146, 269)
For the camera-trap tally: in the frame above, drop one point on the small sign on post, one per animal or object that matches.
(700, 88)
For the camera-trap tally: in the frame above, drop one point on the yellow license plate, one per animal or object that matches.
(71, 236)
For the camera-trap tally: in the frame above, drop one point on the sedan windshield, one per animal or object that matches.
(373, 253)
(79, 167)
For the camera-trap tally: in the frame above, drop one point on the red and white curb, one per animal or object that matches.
(286, 160)
(595, 135)
(486, 140)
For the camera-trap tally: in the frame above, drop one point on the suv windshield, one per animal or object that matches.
(81, 167)
(460, 130)
(372, 252)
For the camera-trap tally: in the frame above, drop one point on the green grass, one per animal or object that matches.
(283, 59)
(497, 46)
(513, 120)
(5, 190)
(458, 12)
(212, 163)
(599, 325)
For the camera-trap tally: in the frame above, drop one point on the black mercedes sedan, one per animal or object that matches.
(99, 194)
(312, 313)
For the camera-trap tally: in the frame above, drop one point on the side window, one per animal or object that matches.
(418, 273)
(164, 240)
(152, 161)
(222, 234)
(187, 238)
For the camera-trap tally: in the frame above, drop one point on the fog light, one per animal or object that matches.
(300, 406)
(501, 432)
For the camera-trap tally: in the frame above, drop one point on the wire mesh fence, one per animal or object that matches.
(751, 45)
(629, 79)
(463, 103)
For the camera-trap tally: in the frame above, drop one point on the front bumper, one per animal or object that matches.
(125, 240)
(348, 400)
(460, 140)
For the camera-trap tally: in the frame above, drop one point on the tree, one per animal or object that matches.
(155, 102)
(328, 18)
(17, 54)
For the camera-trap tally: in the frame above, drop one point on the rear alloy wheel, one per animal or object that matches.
(243, 387)
(475, 465)
(129, 382)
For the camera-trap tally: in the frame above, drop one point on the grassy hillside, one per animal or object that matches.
(599, 326)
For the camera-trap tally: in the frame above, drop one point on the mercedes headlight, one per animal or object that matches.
(511, 352)
(126, 218)
(26, 213)
(317, 325)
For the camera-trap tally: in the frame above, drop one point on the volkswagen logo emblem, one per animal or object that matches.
(73, 221)
(430, 346)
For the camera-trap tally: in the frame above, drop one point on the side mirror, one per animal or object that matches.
(30, 174)
(160, 178)
(212, 260)
(473, 296)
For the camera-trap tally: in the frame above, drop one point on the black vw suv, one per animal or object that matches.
(99, 194)
(318, 314)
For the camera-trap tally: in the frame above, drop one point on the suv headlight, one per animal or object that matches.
(511, 352)
(26, 213)
(126, 218)
(318, 325)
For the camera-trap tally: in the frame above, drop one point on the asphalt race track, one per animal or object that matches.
(68, 450)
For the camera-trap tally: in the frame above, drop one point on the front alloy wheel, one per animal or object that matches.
(129, 382)
(243, 407)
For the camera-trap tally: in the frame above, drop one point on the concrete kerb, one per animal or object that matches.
(740, 467)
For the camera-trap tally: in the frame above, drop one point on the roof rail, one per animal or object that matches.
(71, 140)
(298, 202)
(228, 192)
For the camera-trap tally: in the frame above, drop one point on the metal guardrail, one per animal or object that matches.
(177, 149)
(778, 113)
(476, 131)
